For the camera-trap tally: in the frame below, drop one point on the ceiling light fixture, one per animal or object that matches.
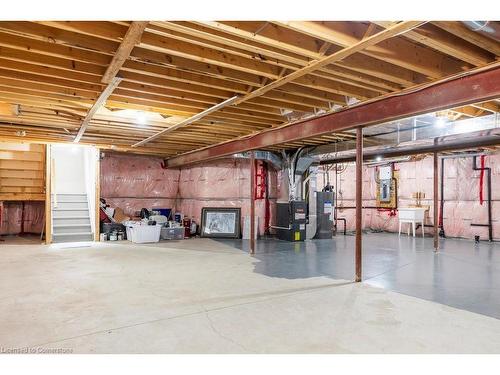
(141, 118)
(440, 122)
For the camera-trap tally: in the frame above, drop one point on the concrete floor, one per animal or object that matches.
(204, 296)
(462, 274)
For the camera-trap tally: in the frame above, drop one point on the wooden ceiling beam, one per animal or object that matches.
(468, 111)
(50, 61)
(460, 30)
(53, 70)
(60, 35)
(51, 45)
(433, 37)
(50, 75)
(111, 31)
(368, 65)
(213, 86)
(151, 106)
(201, 54)
(24, 43)
(165, 45)
(206, 80)
(109, 128)
(264, 105)
(130, 40)
(143, 53)
(98, 104)
(47, 93)
(308, 92)
(36, 100)
(338, 88)
(48, 88)
(7, 109)
(40, 136)
(317, 64)
(44, 77)
(351, 92)
(488, 106)
(69, 87)
(369, 41)
(479, 85)
(396, 51)
(167, 96)
(307, 46)
(188, 121)
(269, 54)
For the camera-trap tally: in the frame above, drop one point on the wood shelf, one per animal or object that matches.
(22, 172)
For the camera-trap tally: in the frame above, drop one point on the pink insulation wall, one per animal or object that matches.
(11, 217)
(133, 182)
(461, 194)
(222, 183)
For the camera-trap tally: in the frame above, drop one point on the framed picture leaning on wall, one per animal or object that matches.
(220, 222)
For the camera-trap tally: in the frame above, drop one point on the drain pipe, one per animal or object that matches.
(441, 203)
(488, 176)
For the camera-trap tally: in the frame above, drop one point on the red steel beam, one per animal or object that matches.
(359, 203)
(479, 86)
(252, 203)
(436, 200)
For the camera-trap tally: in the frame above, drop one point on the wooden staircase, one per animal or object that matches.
(70, 218)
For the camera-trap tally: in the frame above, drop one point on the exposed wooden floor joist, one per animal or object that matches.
(53, 72)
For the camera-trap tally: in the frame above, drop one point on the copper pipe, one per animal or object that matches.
(252, 202)
(436, 201)
(359, 203)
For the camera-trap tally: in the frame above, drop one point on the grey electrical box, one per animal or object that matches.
(385, 178)
(385, 190)
(385, 172)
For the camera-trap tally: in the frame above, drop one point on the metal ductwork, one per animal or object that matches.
(295, 165)
(490, 29)
(473, 140)
(270, 157)
(303, 164)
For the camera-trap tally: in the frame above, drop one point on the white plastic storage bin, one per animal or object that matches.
(138, 233)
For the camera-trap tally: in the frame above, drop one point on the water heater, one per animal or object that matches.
(324, 218)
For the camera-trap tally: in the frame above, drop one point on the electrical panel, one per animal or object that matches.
(386, 194)
(385, 190)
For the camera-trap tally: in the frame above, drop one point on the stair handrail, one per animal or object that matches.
(52, 181)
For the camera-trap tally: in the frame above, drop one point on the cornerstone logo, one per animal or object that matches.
(35, 350)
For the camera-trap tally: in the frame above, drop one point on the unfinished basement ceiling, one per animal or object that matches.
(417, 133)
(52, 74)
